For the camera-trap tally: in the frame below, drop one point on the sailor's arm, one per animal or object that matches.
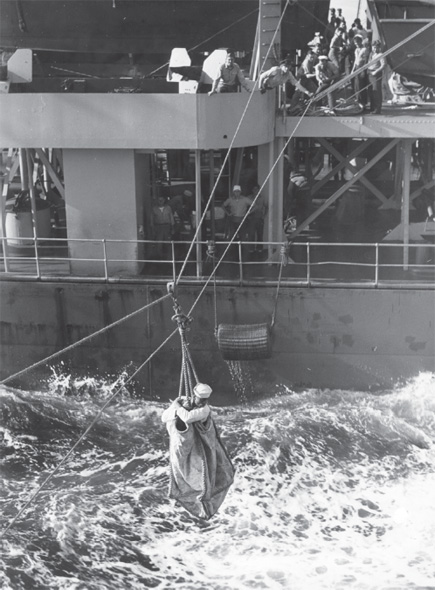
(215, 82)
(297, 84)
(195, 415)
(171, 412)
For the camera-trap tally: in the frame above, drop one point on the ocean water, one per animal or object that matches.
(333, 490)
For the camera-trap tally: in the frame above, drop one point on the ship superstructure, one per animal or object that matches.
(356, 259)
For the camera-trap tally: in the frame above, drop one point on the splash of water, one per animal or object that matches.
(333, 490)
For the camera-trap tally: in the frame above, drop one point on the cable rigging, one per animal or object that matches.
(188, 373)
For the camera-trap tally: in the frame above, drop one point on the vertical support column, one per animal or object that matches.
(273, 189)
(279, 189)
(398, 175)
(99, 182)
(270, 44)
(198, 206)
(23, 170)
(407, 154)
(34, 214)
(211, 186)
(265, 160)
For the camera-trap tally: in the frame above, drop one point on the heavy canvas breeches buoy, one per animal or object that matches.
(200, 470)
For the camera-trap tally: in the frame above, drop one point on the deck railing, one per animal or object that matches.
(306, 264)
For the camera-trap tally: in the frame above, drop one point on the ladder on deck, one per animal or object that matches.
(267, 44)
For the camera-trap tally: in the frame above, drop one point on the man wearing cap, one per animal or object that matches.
(360, 82)
(326, 74)
(236, 208)
(187, 412)
(278, 76)
(229, 77)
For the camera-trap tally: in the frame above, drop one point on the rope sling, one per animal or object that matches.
(188, 375)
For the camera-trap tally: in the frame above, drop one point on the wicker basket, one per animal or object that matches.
(245, 342)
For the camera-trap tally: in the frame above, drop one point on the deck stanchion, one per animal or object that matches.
(173, 261)
(106, 269)
(240, 263)
(38, 267)
(308, 264)
(376, 264)
(407, 155)
(4, 250)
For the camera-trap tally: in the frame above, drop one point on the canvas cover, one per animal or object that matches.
(201, 471)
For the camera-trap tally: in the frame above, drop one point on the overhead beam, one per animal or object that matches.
(407, 154)
(344, 188)
(356, 152)
(346, 164)
(54, 177)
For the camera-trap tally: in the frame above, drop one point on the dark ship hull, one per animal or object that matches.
(394, 21)
(104, 38)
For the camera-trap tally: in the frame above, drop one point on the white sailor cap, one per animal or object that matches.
(202, 390)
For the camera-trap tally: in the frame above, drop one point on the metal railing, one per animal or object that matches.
(306, 264)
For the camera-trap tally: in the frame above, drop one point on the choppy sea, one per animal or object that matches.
(333, 490)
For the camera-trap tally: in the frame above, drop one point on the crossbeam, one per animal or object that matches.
(344, 188)
(54, 177)
(346, 164)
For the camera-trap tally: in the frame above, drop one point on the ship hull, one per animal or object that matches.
(394, 22)
(145, 30)
(364, 339)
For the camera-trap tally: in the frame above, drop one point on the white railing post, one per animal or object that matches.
(308, 264)
(5, 253)
(38, 268)
(240, 263)
(106, 268)
(174, 275)
(376, 264)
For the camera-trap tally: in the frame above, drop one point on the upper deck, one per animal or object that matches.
(185, 121)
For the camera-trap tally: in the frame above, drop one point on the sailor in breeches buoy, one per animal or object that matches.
(189, 411)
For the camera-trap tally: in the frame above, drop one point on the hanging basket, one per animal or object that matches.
(245, 342)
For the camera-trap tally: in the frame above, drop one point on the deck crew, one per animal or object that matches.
(236, 208)
(337, 48)
(229, 77)
(326, 74)
(279, 75)
(375, 69)
(362, 52)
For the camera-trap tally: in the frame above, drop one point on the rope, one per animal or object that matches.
(377, 58)
(85, 339)
(252, 205)
(229, 150)
(188, 372)
(76, 444)
(209, 38)
(181, 319)
(355, 94)
(284, 249)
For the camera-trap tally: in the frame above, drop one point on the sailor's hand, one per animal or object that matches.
(212, 92)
